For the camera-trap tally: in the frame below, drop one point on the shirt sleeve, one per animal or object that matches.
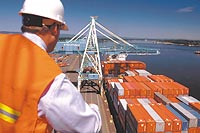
(65, 109)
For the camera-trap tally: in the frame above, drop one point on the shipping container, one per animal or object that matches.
(160, 124)
(177, 123)
(135, 118)
(161, 98)
(195, 106)
(166, 118)
(187, 99)
(142, 72)
(192, 111)
(141, 78)
(160, 78)
(184, 121)
(129, 79)
(192, 120)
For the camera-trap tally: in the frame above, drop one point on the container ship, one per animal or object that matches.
(130, 98)
(135, 100)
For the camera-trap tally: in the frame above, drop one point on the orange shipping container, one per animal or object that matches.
(133, 92)
(153, 86)
(165, 89)
(136, 118)
(184, 88)
(195, 106)
(140, 88)
(160, 78)
(167, 119)
(141, 78)
(151, 124)
(174, 99)
(126, 90)
(177, 124)
(149, 92)
(193, 130)
(128, 79)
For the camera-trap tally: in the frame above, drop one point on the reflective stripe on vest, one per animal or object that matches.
(8, 114)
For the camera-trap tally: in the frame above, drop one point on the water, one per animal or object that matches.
(177, 62)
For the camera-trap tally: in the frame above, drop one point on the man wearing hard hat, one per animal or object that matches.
(35, 95)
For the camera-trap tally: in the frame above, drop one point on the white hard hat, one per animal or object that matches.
(52, 9)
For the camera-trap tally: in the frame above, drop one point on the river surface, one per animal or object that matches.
(175, 61)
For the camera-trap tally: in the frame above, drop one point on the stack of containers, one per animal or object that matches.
(192, 120)
(153, 103)
(191, 101)
(110, 85)
(167, 86)
(160, 124)
(117, 94)
(122, 111)
(117, 67)
(146, 115)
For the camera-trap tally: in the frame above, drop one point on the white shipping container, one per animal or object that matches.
(124, 103)
(187, 99)
(143, 72)
(119, 89)
(182, 99)
(143, 100)
(129, 73)
(160, 124)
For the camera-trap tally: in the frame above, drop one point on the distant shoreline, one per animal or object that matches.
(183, 42)
(190, 43)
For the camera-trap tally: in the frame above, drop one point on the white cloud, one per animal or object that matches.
(186, 9)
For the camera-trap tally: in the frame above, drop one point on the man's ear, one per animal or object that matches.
(54, 30)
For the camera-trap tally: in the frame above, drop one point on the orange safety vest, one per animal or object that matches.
(25, 72)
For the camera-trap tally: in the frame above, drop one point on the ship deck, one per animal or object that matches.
(88, 93)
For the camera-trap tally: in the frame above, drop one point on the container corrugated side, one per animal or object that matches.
(153, 87)
(160, 78)
(141, 78)
(195, 106)
(122, 112)
(122, 109)
(135, 118)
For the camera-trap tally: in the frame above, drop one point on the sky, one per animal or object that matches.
(156, 19)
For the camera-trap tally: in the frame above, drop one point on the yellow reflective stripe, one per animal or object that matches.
(8, 114)
(6, 118)
(9, 110)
